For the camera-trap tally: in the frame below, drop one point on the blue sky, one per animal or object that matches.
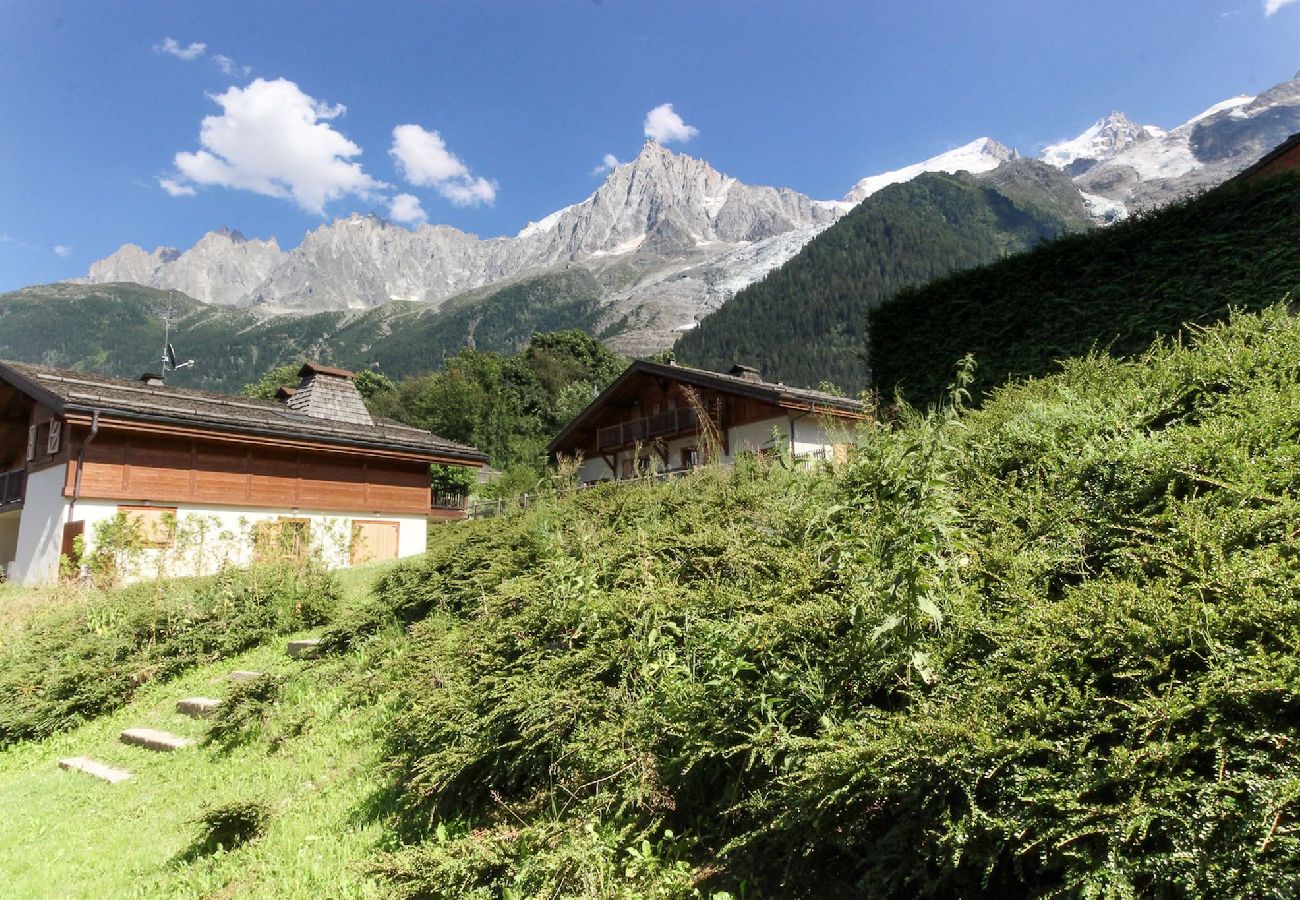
(485, 115)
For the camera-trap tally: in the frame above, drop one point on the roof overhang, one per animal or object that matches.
(777, 395)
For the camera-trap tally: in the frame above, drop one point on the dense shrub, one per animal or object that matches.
(1048, 648)
(75, 664)
(1115, 289)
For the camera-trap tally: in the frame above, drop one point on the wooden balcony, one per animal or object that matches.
(13, 488)
(448, 499)
(664, 425)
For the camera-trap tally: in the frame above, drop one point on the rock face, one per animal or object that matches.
(662, 205)
(222, 268)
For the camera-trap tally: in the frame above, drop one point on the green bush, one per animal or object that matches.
(73, 665)
(229, 825)
(244, 711)
(1115, 289)
(1046, 648)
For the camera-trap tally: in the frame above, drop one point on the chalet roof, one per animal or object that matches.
(1268, 158)
(64, 391)
(744, 384)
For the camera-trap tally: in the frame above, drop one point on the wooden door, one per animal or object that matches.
(373, 541)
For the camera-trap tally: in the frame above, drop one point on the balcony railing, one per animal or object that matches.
(448, 498)
(664, 424)
(13, 487)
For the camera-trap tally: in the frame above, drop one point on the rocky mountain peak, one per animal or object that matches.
(1099, 142)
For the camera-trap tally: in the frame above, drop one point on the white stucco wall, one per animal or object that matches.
(819, 434)
(8, 539)
(40, 528)
(208, 537)
(757, 436)
(593, 470)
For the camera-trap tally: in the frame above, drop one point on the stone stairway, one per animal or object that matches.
(166, 742)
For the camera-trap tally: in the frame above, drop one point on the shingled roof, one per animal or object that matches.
(745, 382)
(65, 391)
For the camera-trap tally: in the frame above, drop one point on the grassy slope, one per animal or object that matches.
(65, 834)
(1113, 289)
(1045, 648)
(803, 323)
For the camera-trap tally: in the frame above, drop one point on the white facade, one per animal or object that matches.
(799, 433)
(40, 529)
(206, 537)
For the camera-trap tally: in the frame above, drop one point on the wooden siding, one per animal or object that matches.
(164, 469)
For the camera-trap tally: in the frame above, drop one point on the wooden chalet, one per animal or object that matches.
(206, 476)
(1285, 157)
(662, 418)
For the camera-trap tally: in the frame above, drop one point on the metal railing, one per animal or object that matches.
(13, 487)
(673, 421)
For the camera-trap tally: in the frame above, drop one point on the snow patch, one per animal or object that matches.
(980, 155)
(1231, 103)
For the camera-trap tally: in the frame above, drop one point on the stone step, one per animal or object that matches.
(242, 675)
(305, 649)
(152, 739)
(197, 707)
(95, 768)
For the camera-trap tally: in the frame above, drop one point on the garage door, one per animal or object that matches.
(372, 541)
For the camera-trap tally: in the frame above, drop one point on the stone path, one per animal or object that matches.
(305, 649)
(165, 741)
(197, 707)
(153, 739)
(95, 768)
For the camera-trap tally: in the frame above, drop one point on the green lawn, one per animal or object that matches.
(66, 834)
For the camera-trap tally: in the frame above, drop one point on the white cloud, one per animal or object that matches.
(173, 47)
(272, 139)
(405, 208)
(175, 188)
(607, 164)
(1272, 6)
(424, 160)
(62, 250)
(228, 66)
(664, 125)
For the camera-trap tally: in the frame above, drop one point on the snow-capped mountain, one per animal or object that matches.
(980, 155)
(1204, 151)
(1103, 140)
(670, 237)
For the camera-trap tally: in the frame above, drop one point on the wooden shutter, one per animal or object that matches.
(373, 541)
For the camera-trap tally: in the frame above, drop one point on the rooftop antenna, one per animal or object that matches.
(169, 360)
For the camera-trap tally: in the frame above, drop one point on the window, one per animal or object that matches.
(156, 525)
(690, 457)
(281, 539)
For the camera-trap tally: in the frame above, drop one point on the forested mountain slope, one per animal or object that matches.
(117, 329)
(1113, 289)
(803, 323)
